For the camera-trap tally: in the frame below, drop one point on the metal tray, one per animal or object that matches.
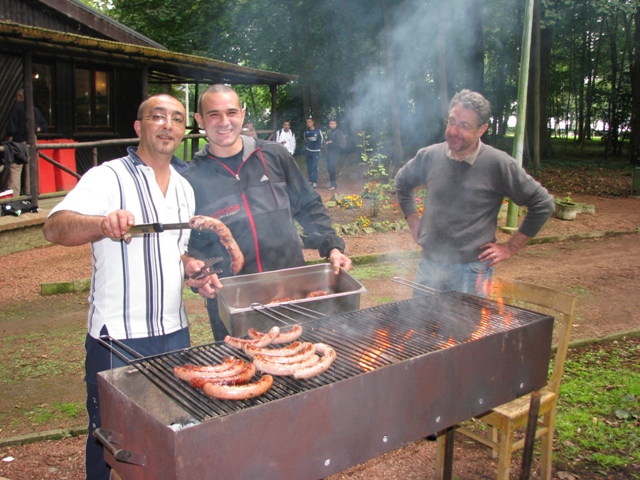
(239, 293)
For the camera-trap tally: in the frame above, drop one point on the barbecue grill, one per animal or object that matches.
(404, 370)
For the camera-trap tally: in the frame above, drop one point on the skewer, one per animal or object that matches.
(275, 312)
(414, 285)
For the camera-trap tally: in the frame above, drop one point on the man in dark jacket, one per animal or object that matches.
(17, 132)
(257, 190)
(336, 142)
(313, 144)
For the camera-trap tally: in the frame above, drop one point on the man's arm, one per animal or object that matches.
(71, 229)
(41, 123)
(498, 252)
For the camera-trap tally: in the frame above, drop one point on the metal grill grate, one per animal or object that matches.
(364, 340)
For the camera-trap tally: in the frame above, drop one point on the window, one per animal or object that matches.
(93, 99)
(43, 90)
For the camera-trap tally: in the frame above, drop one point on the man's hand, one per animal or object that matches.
(116, 224)
(339, 259)
(413, 221)
(206, 286)
(497, 252)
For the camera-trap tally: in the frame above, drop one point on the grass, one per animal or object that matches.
(384, 270)
(49, 413)
(41, 355)
(598, 423)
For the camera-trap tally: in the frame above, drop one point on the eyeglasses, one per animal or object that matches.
(451, 122)
(163, 119)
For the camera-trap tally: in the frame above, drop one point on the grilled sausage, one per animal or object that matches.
(283, 337)
(229, 364)
(281, 300)
(328, 357)
(240, 343)
(200, 222)
(265, 365)
(240, 378)
(292, 349)
(317, 293)
(239, 392)
(307, 350)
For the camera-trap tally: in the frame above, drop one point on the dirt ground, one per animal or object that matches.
(604, 272)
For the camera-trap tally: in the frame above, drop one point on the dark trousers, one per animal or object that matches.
(312, 158)
(100, 358)
(217, 327)
(332, 161)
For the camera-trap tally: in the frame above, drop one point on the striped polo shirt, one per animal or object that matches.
(136, 288)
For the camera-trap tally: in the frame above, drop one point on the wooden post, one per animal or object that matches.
(145, 82)
(32, 171)
(274, 107)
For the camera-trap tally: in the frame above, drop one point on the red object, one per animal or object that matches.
(46, 172)
(67, 157)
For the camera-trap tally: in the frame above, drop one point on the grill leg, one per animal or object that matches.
(530, 436)
(444, 454)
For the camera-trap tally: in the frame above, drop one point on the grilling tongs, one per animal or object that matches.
(153, 228)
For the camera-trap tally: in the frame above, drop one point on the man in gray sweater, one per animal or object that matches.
(466, 183)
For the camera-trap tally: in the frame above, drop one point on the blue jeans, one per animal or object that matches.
(332, 161)
(473, 278)
(312, 158)
(100, 358)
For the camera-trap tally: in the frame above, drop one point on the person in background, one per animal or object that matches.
(17, 133)
(336, 142)
(313, 144)
(257, 190)
(249, 130)
(136, 286)
(467, 182)
(286, 138)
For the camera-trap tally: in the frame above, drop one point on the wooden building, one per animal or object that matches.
(87, 73)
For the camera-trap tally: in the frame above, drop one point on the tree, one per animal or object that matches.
(634, 142)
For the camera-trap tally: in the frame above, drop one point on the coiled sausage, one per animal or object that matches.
(239, 392)
(283, 337)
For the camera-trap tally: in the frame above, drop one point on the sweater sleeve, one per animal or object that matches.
(408, 178)
(527, 192)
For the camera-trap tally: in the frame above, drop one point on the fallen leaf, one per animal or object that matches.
(622, 414)
(567, 476)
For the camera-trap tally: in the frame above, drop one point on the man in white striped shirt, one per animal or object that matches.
(136, 286)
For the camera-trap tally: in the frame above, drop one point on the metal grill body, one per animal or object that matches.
(404, 370)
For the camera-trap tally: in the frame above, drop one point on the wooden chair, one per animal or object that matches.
(504, 420)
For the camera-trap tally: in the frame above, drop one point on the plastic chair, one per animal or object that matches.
(504, 420)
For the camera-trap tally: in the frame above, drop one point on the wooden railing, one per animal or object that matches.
(94, 146)
(194, 138)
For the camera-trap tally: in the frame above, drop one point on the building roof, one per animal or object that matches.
(163, 66)
(99, 22)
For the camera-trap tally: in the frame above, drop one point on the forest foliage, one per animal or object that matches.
(390, 67)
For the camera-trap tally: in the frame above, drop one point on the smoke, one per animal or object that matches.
(425, 55)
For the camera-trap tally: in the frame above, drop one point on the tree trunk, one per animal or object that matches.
(535, 139)
(546, 41)
(634, 144)
(397, 154)
(475, 52)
